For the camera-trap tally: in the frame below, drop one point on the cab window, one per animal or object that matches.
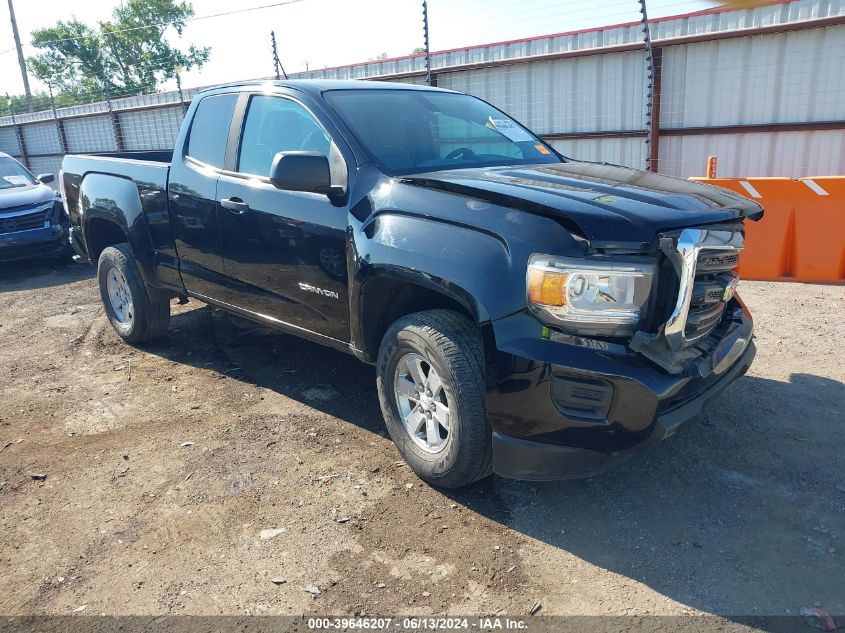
(210, 129)
(276, 124)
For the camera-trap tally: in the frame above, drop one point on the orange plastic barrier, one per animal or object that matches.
(820, 232)
(802, 234)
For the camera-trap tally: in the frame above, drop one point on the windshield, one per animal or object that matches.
(13, 174)
(408, 131)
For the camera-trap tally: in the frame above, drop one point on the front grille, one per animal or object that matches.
(700, 321)
(713, 276)
(713, 295)
(35, 220)
(703, 260)
(717, 261)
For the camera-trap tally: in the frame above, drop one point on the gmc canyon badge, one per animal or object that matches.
(318, 291)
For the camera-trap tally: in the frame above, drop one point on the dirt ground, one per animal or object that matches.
(184, 476)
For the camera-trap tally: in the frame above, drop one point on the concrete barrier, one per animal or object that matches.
(802, 234)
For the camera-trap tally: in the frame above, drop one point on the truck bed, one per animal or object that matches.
(148, 167)
(131, 191)
(147, 170)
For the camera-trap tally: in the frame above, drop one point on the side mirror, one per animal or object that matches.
(302, 171)
(46, 178)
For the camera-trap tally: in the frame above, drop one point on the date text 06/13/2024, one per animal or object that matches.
(417, 623)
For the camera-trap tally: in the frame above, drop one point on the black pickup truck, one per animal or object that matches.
(527, 314)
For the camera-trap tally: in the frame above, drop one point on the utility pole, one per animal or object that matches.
(178, 70)
(654, 59)
(425, 38)
(277, 64)
(21, 59)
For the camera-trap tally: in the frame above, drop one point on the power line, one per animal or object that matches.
(560, 14)
(192, 19)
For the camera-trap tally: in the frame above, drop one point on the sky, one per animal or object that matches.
(320, 33)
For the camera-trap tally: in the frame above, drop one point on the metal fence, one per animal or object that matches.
(763, 89)
(41, 139)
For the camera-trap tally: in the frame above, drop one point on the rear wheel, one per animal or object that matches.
(431, 387)
(133, 315)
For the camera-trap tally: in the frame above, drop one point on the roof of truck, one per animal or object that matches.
(319, 85)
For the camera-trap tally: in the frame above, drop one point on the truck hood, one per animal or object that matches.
(606, 202)
(16, 198)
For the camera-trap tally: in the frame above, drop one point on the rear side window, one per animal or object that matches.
(210, 129)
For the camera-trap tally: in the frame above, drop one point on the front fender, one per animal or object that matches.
(466, 264)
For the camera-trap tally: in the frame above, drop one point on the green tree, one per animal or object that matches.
(40, 101)
(129, 54)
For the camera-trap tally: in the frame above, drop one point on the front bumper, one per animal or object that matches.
(571, 408)
(44, 242)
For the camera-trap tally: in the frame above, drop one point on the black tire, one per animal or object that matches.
(149, 319)
(452, 345)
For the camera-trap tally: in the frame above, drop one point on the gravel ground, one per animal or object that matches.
(184, 476)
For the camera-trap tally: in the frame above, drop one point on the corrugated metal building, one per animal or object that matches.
(763, 89)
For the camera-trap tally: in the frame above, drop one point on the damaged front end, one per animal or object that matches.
(708, 327)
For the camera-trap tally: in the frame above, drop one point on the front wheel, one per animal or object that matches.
(134, 316)
(430, 378)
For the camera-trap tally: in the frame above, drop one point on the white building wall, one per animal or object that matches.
(630, 151)
(90, 134)
(792, 77)
(150, 129)
(42, 138)
(581, 94)
(9, 141)
(788, 77)
(790, 154)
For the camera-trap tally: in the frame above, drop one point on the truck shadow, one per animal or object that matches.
(740, 513)
(323, 378)
(34, 274)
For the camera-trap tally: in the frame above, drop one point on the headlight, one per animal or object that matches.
(589, 296)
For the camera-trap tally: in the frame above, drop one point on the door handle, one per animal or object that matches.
(235, 205)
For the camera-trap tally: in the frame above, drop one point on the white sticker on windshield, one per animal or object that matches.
(509, 129)
(16, 180)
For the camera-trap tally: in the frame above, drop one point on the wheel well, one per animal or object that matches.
(100, 233)
(386, 300)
